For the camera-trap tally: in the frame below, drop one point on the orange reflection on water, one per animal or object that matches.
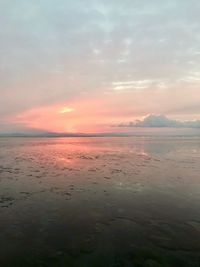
(66, 160)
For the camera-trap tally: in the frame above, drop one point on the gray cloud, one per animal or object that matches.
(161, 121)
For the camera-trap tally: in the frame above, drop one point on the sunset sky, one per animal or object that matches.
(84, 66)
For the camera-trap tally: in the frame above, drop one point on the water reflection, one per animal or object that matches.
(99, 202)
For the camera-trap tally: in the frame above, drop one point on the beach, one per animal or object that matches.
(100, 201)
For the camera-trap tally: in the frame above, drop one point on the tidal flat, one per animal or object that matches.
(100, 202)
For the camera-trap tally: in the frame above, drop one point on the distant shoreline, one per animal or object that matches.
(138, 132)
(103, 136)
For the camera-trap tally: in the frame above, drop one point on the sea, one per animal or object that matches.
(100, 201)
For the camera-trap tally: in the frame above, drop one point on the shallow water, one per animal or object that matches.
(100, 202)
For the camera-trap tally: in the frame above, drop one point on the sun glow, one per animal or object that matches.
(66, 110)
(84, 115)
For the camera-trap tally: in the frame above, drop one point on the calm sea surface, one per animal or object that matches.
(100, 202)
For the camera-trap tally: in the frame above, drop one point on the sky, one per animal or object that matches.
(84, 66)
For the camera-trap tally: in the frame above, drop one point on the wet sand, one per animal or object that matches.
(98, 202)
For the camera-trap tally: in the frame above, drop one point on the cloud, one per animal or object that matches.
(161, 121)
(57, 51)
(138, 85)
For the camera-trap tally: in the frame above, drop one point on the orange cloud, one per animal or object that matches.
(94, 114)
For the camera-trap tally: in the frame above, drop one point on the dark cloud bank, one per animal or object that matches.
(161, 121)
